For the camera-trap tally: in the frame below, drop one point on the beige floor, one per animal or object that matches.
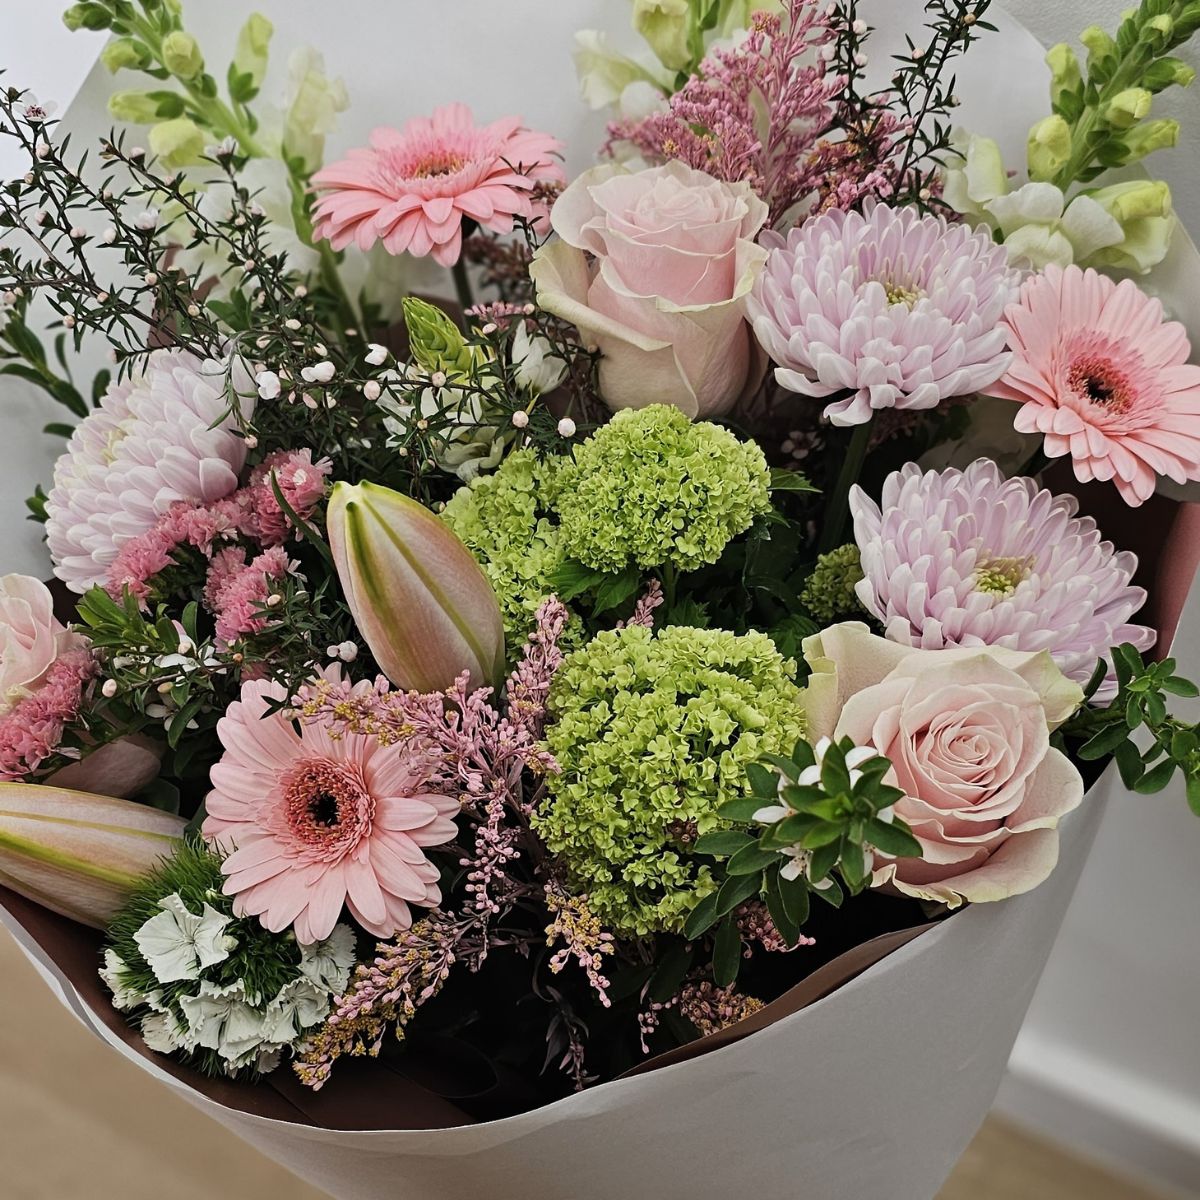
(79, 1123)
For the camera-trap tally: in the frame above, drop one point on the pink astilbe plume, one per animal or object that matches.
(715, 122)
(413, 188)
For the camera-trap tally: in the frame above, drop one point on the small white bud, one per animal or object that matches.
(69, 321)
(251, 441)
(321, 372)
(147, 221)
(291, 323)
(300, 292)
(193, 310)
(78, 234)
(348, 651)
(108, 236)
(274, 600)
(150, 278)
(566, 428)
(371, 390)
(109, 688)
(333, 651)
(520, 418)
(438, 379)
(376, 354)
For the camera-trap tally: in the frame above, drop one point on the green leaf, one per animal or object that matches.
(795, 896)
(737, 889)
(853, 865)
(671, 972)
(727, 954)
(701, 918)
(723, 842)
(821, 835)
(1129, 763)
(742, 808)
(823, 860)
(301, 525)
(1178, 686)
(1156, 778)
(177, 725)
(1193, 793)
(762, 782)
(1105, 742)
(750, 859)
(572, 579)
(616, 589)
(893, 839)
(788, 929)
(783, 480)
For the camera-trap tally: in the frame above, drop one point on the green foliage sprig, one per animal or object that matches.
(1141, 703)
(807, 828)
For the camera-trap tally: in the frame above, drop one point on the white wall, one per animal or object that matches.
(1110, 1054)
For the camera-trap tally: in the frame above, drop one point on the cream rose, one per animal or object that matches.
(968, 735)
(654, 267)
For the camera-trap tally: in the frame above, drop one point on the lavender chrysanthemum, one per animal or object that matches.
(896, 309)
(162, 437)
(969, 558)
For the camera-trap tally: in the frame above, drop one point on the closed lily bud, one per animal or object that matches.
(420, 600)
(1049, 148)
(79, 854)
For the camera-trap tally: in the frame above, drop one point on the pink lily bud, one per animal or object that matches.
(419, 598)
(78, 854)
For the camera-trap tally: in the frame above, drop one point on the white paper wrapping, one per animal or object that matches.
(869, 1094)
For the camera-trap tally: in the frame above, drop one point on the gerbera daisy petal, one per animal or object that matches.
(411, 188)
(1095, 360)
(313, 824)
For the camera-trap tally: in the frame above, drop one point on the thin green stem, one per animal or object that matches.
(462, 286)
(834, 527)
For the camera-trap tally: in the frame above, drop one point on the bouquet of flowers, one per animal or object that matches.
(547, 684)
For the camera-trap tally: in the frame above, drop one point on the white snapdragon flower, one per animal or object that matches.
(177, 944)
(311, 106)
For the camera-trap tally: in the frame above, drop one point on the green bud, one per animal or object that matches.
(1167, 72)
(1163, 25)
(666, 25)
(177, 142)
(181, 55)
(250, 56)
(124, 52)
(1049, 148)
(1064, 70)
(1143, 209)
(137, 108)
(1129, 107)
(1098, 43)
(1150, 136)
(86, 16)
(1135, 200)
(434, 341)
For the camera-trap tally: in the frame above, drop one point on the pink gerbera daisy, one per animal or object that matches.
(1099, 373)
(316, 822)
(412, 188)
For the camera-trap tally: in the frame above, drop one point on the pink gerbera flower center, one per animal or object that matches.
(326, 806)
(1101, 382)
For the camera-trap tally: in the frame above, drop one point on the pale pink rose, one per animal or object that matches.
(968, 735)
(31, 637)
(654, 268)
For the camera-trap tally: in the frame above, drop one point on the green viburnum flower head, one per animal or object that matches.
(653, 488)
(829, 593)
(504, 519)
(653, 733)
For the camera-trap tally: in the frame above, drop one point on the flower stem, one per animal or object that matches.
(834, 526)
(462, 286)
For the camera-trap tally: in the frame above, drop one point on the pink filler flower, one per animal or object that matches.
(1100, 374)
(413, 187)
(317, 822)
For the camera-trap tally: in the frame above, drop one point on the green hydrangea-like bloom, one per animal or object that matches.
(829, 593)
(653, 734)
(652, 487)
(504, 521)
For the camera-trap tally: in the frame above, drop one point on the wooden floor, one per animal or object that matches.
(80, 1123)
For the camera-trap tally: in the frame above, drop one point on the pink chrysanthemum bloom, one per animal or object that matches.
(316, 823)
(969, 558)
(412, 188)
(1100, 374)
(889, 309)
(158, 439)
